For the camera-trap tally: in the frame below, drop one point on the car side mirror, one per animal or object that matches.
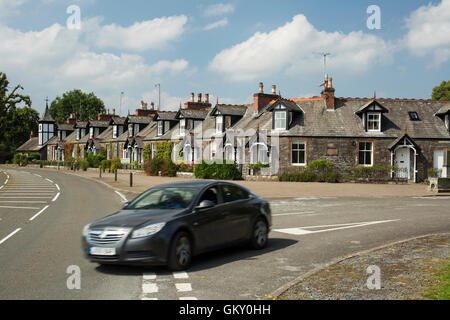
(205, 204)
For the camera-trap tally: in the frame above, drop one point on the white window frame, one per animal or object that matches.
(114, 131)
(378, 120)
(182, 127)
(91, 132)
(365, 151)
(213, 149)
(160, 128)
(219, 124)
(282, 119)
(298, 150)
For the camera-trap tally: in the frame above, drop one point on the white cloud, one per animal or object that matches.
(221, 23)
(289, 49)
(219, 9)
(9, 8)
(429, 32)
(140, 36)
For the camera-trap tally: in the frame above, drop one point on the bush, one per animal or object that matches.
(318, 171)
(163, 150)
(168, 168)
(115, 164)
(183, 167)
(105, 164)
(20, 159)
(152, 167)
(95, 160)
(299, 176)
(376, 171)
(223, 171)
(83, 164)
(34, 156)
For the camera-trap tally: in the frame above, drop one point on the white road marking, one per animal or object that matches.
(2, 187)
(149, 288)
(57, 187)
(180, 275)
(39, 197)
(10, 207)
(188, 298)
(292, 213)
(183, 287)
(10, 235)
(49, 180)
(122, 196)
(303, 230)
(37, 214)
(37, 175)
(56, 197)
(149, 298)
(149, 276)
(19, 201)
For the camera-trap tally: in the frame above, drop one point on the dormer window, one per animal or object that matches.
(182, 127)
(373, 121)
(371, 115)
(280, 118)
(219, 124)
(115, 131)
(160, 128)
(413, 116)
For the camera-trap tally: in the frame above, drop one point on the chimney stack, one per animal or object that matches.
(328, 94)
(144, 105)
(261, 99)
(199, 97)
(152, 106)
(206, 97)
(274, 89)
(114, 112)
(192, 97)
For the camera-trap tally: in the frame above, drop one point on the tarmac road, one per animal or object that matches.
(307, 232)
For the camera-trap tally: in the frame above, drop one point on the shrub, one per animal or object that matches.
(183, 167)
(105, 164)
(168, 168)
(20, 159)
(163, 150)
(34, 156)
(152, 167)
(223, 171)
(376, 171)
(115, 164)
(95, 160)
(147, 152)
(299, 176)
(83, 164)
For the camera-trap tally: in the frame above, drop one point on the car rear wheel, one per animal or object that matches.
(260, 235)
(180, 254)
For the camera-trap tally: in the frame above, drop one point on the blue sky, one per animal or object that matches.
(223, 48)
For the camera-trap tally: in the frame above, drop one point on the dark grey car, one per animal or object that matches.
(168, 224)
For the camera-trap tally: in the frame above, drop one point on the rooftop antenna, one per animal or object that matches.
(324, 54)
(159, 95)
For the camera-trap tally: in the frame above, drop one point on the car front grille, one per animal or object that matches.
(106, 236)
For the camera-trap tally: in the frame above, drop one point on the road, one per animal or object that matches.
(37, 247)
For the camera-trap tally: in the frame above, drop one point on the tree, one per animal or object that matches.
(15, 122)
(85, 106)
(441, 92)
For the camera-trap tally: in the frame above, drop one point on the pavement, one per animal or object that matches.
(310, 229)
(265, 189)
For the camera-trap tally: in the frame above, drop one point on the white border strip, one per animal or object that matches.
(37, 214)
(10, 235)
(122, 196)
(56, 197)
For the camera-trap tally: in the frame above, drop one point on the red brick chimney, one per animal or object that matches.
(199, 104)
(328, 94)
(143, 111)
(261, 99)
(72, 119)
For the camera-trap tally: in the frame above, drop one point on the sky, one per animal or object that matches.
(399, 50)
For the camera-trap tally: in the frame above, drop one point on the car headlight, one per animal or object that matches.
(86, 230)
(148, 230)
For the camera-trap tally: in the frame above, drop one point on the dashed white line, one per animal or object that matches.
(57, 187)
(37, 214)
(180, 275)
(292, 213)
(183, 287)
(188, 298)
(37, 175)
(149, 276)
(56, 197)
(10, 207)
(10, 235)
(49, 180)
(149, 288)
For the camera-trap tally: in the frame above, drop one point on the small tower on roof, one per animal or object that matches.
(46, 126)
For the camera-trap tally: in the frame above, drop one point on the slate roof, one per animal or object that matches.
(443, 110)
(46, 117)
(166, 115)
(140, 120)
(31, 145)
(192, 114)
(317, 121)
(65, 126)
(98, 124)
(118, 120)
(230, 110)
(82, 124)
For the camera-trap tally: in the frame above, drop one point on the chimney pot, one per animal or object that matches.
(261, 87)
(207, 97)
(199, 97)
(192, 97)
(274, 89)
(114, 112)
(152, 106)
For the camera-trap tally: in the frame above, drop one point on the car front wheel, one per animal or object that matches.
(260, 235)
(180, 254)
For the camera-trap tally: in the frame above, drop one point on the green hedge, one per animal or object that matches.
(318, 171)
(222, 171)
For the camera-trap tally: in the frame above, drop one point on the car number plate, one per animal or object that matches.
(98, 251)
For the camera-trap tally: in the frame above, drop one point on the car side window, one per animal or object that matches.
(210, 194)
(233, 193)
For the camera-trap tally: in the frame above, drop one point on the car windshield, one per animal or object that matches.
(164, 198)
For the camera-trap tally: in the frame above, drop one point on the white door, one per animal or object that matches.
(403, 162)
(438, 163)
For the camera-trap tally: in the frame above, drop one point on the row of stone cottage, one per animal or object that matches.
(287, 133)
